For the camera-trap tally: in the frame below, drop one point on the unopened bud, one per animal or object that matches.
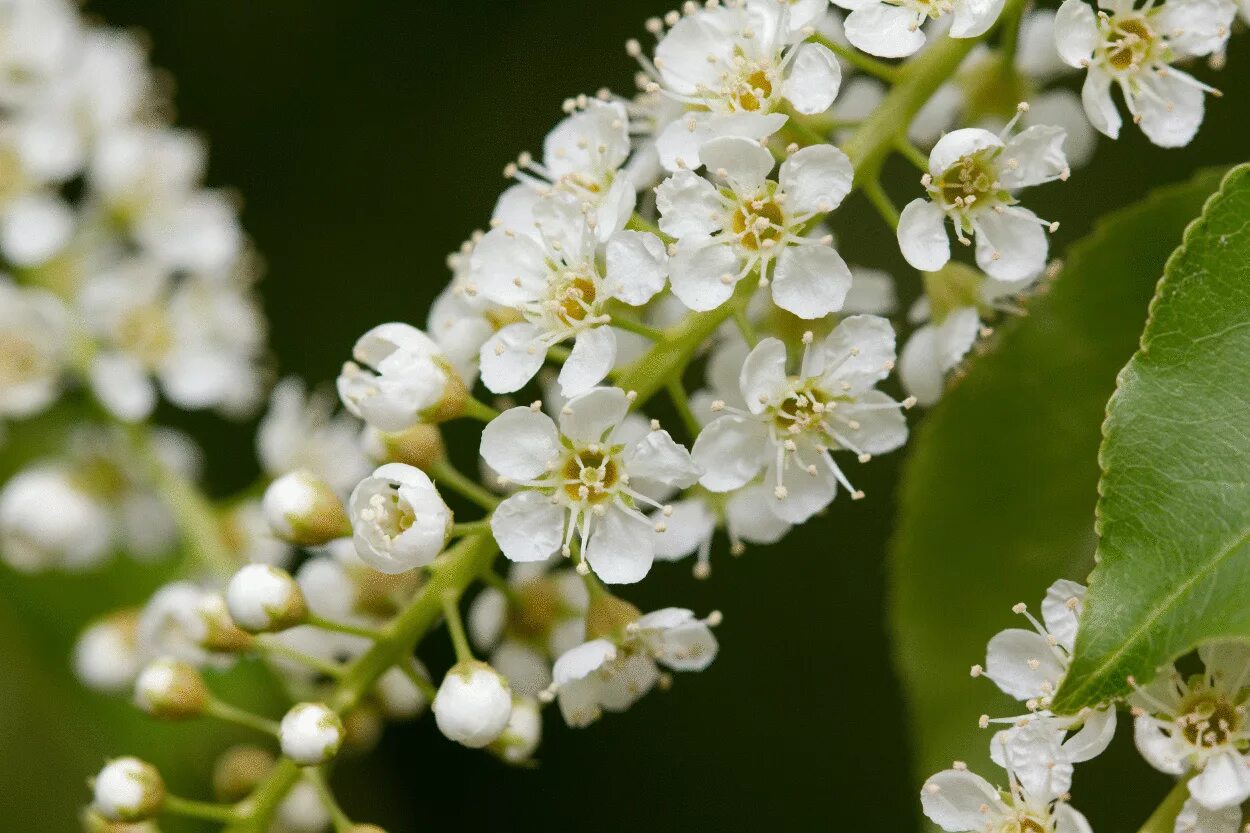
(473, 704)
(520, 737)
(310, 734)
(398, 696)
(219, 632)
(411, 379)
(303, 510)
(263, 598)
(170, 689)
(106, 656)
(420, 446)
(239, 770)
(128, 789)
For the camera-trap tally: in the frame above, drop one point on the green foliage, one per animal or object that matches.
(998, 496)
(1174, 512)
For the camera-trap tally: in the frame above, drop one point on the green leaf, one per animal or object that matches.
(998, 495)
(1174, 516)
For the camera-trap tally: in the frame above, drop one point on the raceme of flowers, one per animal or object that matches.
(684, 232)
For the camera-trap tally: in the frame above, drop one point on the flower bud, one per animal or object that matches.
(310, 734)
(217, 631)
(263, 598)
(301, 509)
(239, 770)
(46, 521)
(106, 656)
(303, 810)
(170, 689)
(399, 520)
(420, 446)
(520, 737)
(398, 696)
(128, 789)
(473, 704)
(412, 381)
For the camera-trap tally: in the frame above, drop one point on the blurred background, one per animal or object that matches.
(366, 139)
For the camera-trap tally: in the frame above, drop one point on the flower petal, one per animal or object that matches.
(594, 353)
(657, 457)
(813, 80)
(520, 444)
(810, 281)
(704, 277)
(637, 266)
(922, 235)
(744, 163)
(1011, 244)
(528, 526)
(621, 547)
(954, 800)
(729, 450)
(885, 30)
(511, 357)
(591, 417)
(815, 179)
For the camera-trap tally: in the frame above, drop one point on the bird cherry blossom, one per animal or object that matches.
(613, 671)
(558, 280)
(411, 380)
(34, 349)
(1134, 49)
(892, 28)
(1198, 723)
(736, 66)
(755, 224)
(792, 424)
(582, 479)
(1029, 665)
(399, 520)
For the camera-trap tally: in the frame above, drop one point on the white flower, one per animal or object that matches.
(1198, 723)
(524, 730)
(792, 424)
(891, 28)
(34, 228)
(170, 625)
(582, 156)
(613, 674)
(1029, 665)
(128, 789)
(959, 801)
(34, 349)
(757, 224)
(745, 513)
(398, 696)
(461, 319)
(1134, 49)
(170, 689)
(251, 538)
(473, 704)
(106, 655)
(310, 734)
(265, 598)
(735, 68)
(400, 521)
(47, 520)
(972, 177)
(555, 276)
(410, 381)
(580, 479)
(542, 616)
(301, 431)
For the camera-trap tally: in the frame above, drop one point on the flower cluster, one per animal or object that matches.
(685, 231)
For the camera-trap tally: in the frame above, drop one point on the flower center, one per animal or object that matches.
(574, 297)
(752, 87)
(1024, 824)
(146, 334)
(1209, 720)
(758, 224)
(1128, 43)
(590, 476)
(19, 360)
(802, 411)
(391, 516)
(971, 181)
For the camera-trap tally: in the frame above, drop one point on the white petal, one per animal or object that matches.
(511, 357)
(815, 179)
(872, 292)
(508, 268)
(810, 281)
(922, 235)
(918, 367)
(1093, 738)
(762, 378)
(973, 18)
(594, 353)
(729, 450)
(1036, 55)
(749, 515)
(956, 335)
(1009, 664)
(34, 228)
(1223, 782)
(637, 266)
(1076, 33)
(487, 614)
(953, 800)
(1195, 27)
(690, 525)
(1172, 114)
(1194, 818)
(813, 80)
(704, 277)
(591, 417)
(686, 647)
(122, 385)
(859, 352)
(621, 547)
(689, 205)
(957, 144)
(743, 162)
(520, 443)
(1038, 154)
(1164, 753)
(1059, 614)
(885, 30)
(881, 429)
(1011, 244)
(1063, 108)
(582, 661)
(528, 526)
(805, 493)
(658, 458)
(1096, 98)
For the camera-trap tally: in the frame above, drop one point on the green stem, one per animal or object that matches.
(470, 528)
(455, 626)
(743, 321)
(445, 474)
(1163, 819)
(639, 223)
(886, 72)
(207, 810)
(259, 809)
(479, 410)
(881, 201)
(681, 402)
(344, 627)
(912, 153)
(241, 717)
(629, 325)
(342, 824)
(1011, 35)
(425, 686)
(193, 513)
(277, 649)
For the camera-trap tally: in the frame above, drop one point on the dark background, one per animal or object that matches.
(368, 138)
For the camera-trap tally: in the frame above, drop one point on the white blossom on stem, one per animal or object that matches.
(892, 28)
(406, 379)
(399, 519)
